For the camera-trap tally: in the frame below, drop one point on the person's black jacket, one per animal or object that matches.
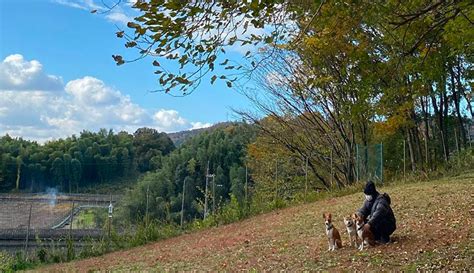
(379, 214)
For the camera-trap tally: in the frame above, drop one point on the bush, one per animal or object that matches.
(6, 262)
(231, 212)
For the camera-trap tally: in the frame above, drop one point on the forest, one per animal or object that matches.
(78, 162)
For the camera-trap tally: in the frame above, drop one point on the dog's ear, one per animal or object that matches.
(324, 215)
(329, 215)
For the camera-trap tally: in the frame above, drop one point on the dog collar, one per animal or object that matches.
(329, 227)
(361, 227)
(350, 225)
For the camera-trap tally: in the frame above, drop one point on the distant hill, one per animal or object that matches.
(178, 138)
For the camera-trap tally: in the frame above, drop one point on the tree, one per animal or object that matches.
(224, 148)
(195, 33)
(149, 143)
(76, 173)
(57, 169)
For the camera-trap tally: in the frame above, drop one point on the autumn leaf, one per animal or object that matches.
(118, 59)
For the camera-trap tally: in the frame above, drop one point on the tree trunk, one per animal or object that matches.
(424, 109)
(439, 120)
(461, 140)
(411, 150)
(445, 118)
(18, 174)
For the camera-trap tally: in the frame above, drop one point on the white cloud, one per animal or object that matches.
(88, 5)
(87, 103)
(113, 12)
(199, 125)
(92, 91)
(119, 17)
(72, 4)
(18, 74)
(167, 118)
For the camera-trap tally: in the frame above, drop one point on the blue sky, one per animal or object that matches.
(57, 76)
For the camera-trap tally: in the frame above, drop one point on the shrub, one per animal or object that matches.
(6, 262)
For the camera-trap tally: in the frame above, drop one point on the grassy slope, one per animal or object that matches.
(435, 231)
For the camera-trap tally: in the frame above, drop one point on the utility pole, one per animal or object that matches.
(28, 232)
(213, 193)
(111, 210)
(182, 202)
(246, 185)
(147, 202)
(205, 194)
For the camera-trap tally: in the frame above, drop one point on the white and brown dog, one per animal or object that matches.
(350, 224)
(366, 236)
(334, 238)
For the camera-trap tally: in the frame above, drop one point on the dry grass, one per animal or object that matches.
(434, 232)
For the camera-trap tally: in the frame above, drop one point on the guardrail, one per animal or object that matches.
(15, 240)
(76, 210)
(76, 234)
(42, 197)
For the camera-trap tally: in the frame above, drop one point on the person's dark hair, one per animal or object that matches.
(370, 188)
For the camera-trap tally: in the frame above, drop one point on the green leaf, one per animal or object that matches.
(229, 84)
(269, 40)
(213, 79)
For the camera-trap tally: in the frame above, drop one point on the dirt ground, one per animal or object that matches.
(434, 232)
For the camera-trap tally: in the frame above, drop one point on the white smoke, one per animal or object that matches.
(52, 195)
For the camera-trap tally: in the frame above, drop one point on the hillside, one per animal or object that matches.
(179, 138)
(435, 232)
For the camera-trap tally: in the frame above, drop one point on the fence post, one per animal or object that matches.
(357, 162)
(381, 162)
(306, 180)
(332, 168)
(71, 218)
(404, 164)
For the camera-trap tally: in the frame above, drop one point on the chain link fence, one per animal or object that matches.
(369, 162)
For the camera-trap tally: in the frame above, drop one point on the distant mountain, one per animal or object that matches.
(179, 137)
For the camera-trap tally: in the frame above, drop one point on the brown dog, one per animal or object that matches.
(364, 234)
(334, 238)
(350, 224)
